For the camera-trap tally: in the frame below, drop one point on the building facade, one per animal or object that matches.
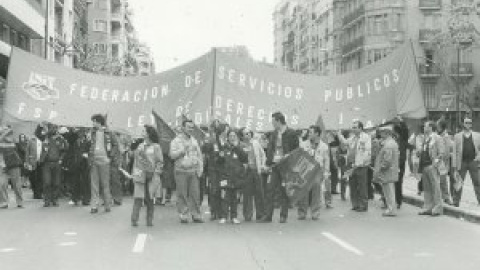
(144, 61)
(303, 36)
(361, 32)
(22, 24)
(110, 30)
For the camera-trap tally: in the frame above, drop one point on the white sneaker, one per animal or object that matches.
(71, 202)
(222, 221)
(236, 221)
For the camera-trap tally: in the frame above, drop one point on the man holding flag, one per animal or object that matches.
(320, 152)
(282, 141)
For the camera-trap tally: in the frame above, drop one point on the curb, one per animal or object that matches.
(448, 210)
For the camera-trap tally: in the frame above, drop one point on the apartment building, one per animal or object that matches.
(110, 28)
(361, 32)
(144, 61)
(22, 24)
(303, 36)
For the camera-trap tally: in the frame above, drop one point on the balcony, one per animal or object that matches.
(353, 45)
(116, 15)
(357, 13)
(430, 4)
(427, 35)
(465, 70)
(429, 71)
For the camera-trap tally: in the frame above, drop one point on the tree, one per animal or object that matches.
(461, 33)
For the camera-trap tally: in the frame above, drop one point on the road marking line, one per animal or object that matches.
(139, 243)
(342, 243)
(5, 250)
(70, 233)
(66, 244)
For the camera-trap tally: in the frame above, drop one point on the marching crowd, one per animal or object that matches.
(98, 167)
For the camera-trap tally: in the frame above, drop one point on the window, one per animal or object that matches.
(99, 25)
(103, 4)
(13, 38)
(22, 43)
(100, 48)
(429, 95)
(377, 55)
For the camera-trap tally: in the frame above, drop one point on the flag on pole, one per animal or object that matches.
(299, 171)
(320, 122)
(165, 133)
(197, 133)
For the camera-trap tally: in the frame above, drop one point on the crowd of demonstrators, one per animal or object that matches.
(97, 166)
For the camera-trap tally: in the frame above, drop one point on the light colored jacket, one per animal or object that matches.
(321, 154)
(260, 157)
(140, 167)
(386, 163)
(458, 148)
(448, 144)
(436, 150)
(187, 154)
(363, 154)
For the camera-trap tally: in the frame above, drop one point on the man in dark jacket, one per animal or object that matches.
(282, 141)
(401, 134)
(53, 152)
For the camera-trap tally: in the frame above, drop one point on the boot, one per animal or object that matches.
(150, 210)
(343, 189)
(137, 204)
(327, 195)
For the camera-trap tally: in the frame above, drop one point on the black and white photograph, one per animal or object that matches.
(239, 134)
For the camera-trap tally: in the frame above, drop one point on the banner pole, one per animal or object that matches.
(212, 98)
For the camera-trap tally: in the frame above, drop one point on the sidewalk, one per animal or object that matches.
(469, 209)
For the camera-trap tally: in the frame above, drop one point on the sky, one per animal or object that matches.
(178, 31)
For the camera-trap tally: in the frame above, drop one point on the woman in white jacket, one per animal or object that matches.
(253, 188)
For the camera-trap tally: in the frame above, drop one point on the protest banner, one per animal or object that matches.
(40, 90)
(236, 90)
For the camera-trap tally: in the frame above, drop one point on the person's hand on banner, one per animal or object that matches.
(223, 183)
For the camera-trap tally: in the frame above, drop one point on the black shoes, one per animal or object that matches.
(46, 204)
(93, 210)
(198, 220)
(264, 220)
(425, 213)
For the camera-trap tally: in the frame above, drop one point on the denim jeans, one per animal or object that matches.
(100, 175)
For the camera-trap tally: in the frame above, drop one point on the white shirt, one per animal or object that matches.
(39, 148)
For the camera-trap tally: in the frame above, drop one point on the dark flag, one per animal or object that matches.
(320, 122)
(165, 133)
(197, 133)
(299, 171)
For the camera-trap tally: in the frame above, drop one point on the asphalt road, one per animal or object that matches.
(69, 237)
